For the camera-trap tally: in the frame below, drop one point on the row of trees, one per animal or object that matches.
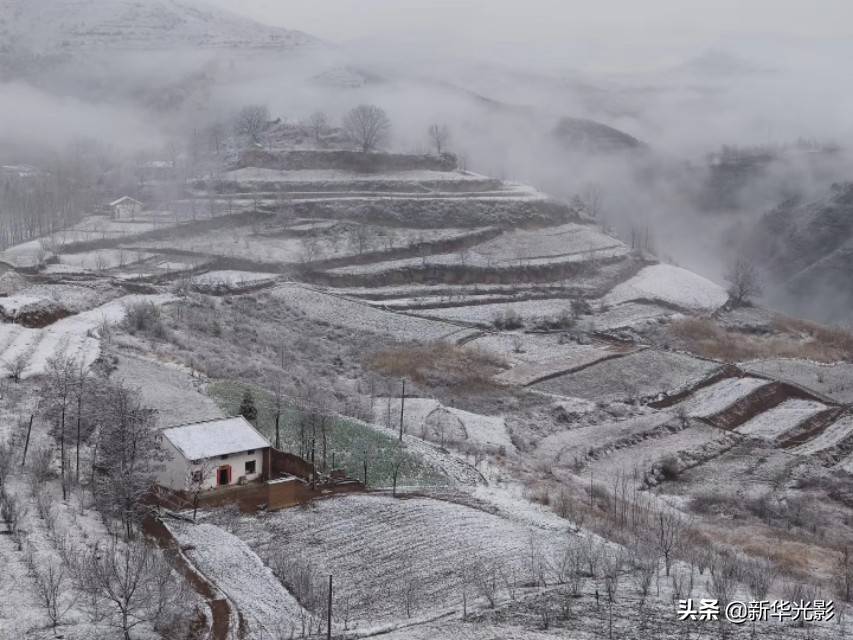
(367, 126)
(102, 438)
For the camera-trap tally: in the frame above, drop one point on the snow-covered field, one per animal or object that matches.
(643, 455)
(258, 174)
(642, 374)
(833, 380)
(253, 244)
(631, 315)
(268, 609)
(672, 285)
(476, 259)
(177, 396)
(102, 259)
(781, 418)
(349, 314)
(75, 336)
(485, 314)
(231, 280)
(580, 357)
(711, 400)
(519, 348)
(832, 435)
(566, 447)
(431, 420)
(393, 557)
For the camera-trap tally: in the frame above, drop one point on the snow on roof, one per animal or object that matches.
(213, 438)
(124, 199)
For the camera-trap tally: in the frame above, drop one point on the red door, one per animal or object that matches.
(223, 475)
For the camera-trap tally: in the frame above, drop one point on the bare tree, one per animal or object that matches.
(591, 198)
(439, 136)
(484, 576)
(136, 581)
(843, 574)
(317, 124)
(251, 121)
(12, 512)
(128, 454)
(57, 392)
(367, 126)
(196, 478)
(670, 532)
(51, 590)
(17, 366)
(744, 281)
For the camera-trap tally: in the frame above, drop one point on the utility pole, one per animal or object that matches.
(329, 620)
(27, 443)
(402, 406)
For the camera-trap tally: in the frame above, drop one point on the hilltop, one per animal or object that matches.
(64, 27)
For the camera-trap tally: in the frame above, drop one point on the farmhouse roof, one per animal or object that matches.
(212, 438)
(124, 199)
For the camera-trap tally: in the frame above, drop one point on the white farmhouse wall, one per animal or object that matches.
(175, 472)
(237, 461)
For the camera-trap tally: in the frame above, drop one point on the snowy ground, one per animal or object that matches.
(719, 396)
(645, 373)
(519, 348)
(781, 418)
(672, 285)
(476, 259)
(833, 380)
(176, 395)
(358, 316)
(430, 420)
(256, 174)
(268, 609)
(254, 244)
(387, 555)
(230, 280)
(75, 336)
(633, 315)
(103, 259)
(834, 433)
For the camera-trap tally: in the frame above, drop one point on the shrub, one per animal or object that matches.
(561, 321)
(670, 468)
(144, 317)
(508, 320)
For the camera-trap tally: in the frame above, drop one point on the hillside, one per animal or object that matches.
(580, 135)
(582, 425)
(62, 27)
(807, 250)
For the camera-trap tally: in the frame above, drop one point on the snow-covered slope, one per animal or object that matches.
(672, 285)
(66, 26)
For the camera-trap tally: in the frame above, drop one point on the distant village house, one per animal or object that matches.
(125, 208)
(213, 454)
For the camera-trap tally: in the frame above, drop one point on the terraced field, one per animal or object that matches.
(416, 552)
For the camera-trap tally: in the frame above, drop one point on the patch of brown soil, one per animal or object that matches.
(438, 365)
(795, 339)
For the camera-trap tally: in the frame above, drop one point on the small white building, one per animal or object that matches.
(211, 454)
(125, 208)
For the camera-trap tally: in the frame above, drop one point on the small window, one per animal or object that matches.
(250, 467)
(196, 462)
(250, 452)
(225, 457)
(197, 476)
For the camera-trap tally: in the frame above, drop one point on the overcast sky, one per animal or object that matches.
(512, 19)
(592, 32)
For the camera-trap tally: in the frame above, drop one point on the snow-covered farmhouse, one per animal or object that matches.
(125, 208)
(213, 454)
